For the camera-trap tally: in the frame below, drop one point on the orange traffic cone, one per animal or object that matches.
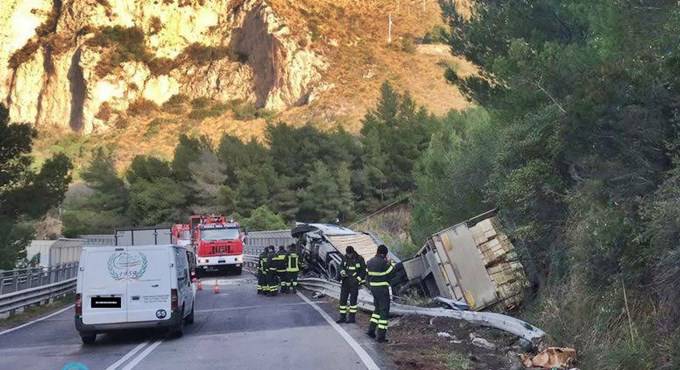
(200, 285)
(216, 287)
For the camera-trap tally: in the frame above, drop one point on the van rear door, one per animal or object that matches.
(104, 289)
(149, 286)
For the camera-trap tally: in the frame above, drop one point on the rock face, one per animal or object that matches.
(77, 63)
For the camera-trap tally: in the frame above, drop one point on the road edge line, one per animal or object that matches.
(358, 349)
(142, 355)
(37, 320)
(127, 356)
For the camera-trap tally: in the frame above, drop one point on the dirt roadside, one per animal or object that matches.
(418, 342)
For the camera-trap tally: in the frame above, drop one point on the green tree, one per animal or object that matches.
(320, 201)
(24, 194)
(103, 208)
(155, 196)
(393, 135)
(451, 175)
(208, 179)
(263, 218)
(187, 150)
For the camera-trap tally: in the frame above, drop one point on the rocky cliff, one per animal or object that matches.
(80, 63)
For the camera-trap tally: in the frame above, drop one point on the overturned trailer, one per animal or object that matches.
(322, 246)
(473, 262)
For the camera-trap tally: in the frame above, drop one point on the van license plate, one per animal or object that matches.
(221, 261)
(105, 302)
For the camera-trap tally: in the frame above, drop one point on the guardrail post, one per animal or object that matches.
(16, 281)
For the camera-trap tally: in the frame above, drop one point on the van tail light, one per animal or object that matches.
(174, 300)
(79, 305)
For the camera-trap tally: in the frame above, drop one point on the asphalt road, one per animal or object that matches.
(235, 329)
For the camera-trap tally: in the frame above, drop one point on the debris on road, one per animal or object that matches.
(550, 358)
(318, 295)
(431, 343)
(483, 343)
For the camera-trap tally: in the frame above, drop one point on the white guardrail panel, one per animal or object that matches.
(506, 323)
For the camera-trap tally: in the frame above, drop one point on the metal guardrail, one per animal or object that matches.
(19, 288)
(495, 320)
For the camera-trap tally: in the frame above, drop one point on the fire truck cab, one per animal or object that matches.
(218, 244)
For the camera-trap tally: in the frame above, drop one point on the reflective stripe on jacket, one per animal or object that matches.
(380, 271)
(293, 262)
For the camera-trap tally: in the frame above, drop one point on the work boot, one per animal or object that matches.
(381, 336)
(351, 319)
(342, 319)
(371, 330)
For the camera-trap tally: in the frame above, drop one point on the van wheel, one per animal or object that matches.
(239, 270)
(88, 338)
(179, 328)
(190, 318)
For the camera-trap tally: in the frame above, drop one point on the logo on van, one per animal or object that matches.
(127, 266)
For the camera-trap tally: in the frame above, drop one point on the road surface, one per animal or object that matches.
(235, 329)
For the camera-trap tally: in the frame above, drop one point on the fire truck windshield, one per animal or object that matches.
(219, 234)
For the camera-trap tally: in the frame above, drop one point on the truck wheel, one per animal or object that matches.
(190, 318)
(333, 271)
(88, 338)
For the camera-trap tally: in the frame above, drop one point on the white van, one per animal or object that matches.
(133, 287)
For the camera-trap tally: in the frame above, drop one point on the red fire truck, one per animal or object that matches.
(218, 243)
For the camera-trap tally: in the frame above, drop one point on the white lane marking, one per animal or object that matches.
(142, 355)
(36, 320)
(363, 355)
(127, 356)
(249, 307)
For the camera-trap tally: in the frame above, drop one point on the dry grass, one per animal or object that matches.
(349, 35)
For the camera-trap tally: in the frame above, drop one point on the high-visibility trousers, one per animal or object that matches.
(381, 314)
(293, 279)
(349, 290)
(261, 281)
(283, 277)
(272, 281)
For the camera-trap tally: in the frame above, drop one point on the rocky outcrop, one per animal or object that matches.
(63, 61)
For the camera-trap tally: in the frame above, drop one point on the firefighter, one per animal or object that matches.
(272, 278)
(281, 268)
(262, 286)
(380, 272)
(292, 268)
(352, 275)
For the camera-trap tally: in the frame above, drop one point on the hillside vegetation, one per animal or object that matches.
(579, 151)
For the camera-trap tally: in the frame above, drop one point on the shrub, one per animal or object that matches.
(203, 55)
(155, 127)
(155, 25)
(438, 35)
(175, 104)
(200, 103)
(408, 44)
(125, 44)
(204, 109)
(161, 66)
(245, 111)
(24, 54)
(105, 112)
(141, 107)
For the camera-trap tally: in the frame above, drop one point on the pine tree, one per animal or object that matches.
(262, 218)
(345, 195)
(320, 200)
(104, 206)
